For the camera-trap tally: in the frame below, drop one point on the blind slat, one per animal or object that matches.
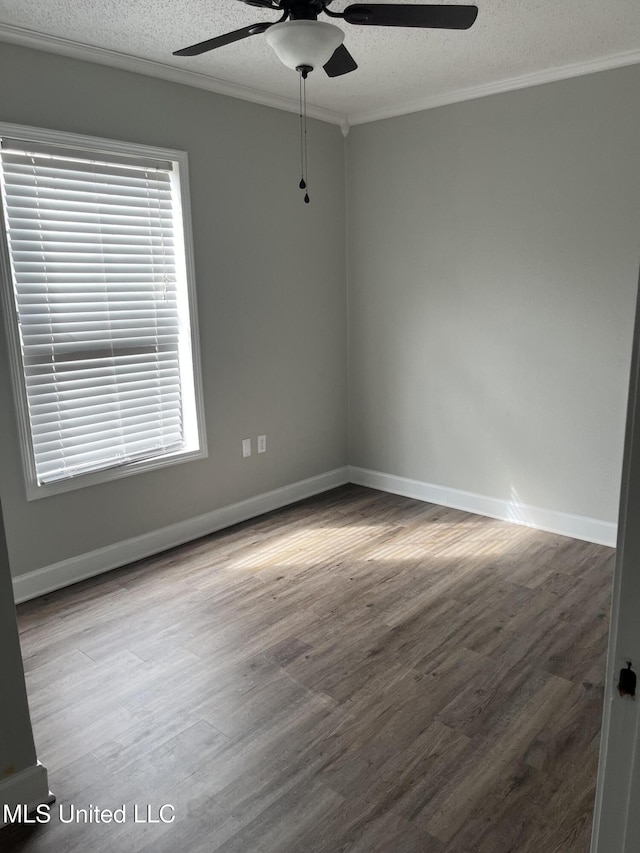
(62, 469)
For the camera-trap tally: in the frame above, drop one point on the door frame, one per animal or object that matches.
(615, 823)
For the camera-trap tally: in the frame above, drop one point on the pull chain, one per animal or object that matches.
(303, 71)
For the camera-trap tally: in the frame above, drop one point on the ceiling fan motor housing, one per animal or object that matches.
(303, 10)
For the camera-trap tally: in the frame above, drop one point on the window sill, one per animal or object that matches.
(80, 481)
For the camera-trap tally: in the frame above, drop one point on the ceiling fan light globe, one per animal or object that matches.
(304, 43)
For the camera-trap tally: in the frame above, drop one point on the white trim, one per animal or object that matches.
(29, 787)
(150, 68)
(615, 821)
(92, 144)
(66, 572)
(616, 741)
(564, 523)
(524, 81)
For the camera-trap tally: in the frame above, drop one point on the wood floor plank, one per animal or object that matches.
(356, 673)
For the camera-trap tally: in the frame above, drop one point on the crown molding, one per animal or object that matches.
(151, 68)
(126, 62)
(549, 75)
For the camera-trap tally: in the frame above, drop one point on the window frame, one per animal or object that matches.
(100, 146)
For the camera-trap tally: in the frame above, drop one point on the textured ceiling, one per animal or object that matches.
(398, 68)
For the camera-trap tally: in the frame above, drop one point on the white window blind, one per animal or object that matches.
(97, 263)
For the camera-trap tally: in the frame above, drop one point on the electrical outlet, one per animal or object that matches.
(262, 444)
(246, 447)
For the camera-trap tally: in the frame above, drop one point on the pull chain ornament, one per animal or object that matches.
(303, 71)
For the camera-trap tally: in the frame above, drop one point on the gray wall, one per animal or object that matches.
(271, 298)
(493, 251)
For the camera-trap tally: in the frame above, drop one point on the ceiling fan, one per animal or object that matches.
(303, 43)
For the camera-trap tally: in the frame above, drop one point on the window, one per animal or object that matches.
(98, 294)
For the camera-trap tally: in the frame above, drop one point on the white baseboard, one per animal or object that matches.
(29, 787)
(66, 572)
(564, 523)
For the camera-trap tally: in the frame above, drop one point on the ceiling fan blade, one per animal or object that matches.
(392, 15)
(220, 41)
(340, 63)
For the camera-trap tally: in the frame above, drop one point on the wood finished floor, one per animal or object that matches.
(359, 672)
